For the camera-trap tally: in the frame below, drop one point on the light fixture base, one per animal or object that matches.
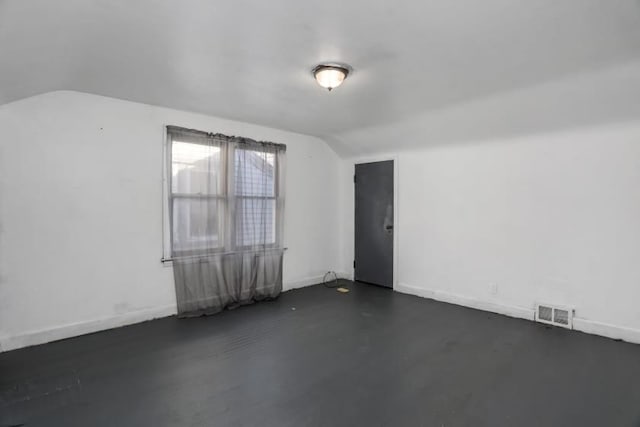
(331, 75)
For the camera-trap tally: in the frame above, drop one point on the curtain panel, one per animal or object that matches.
(226, 206)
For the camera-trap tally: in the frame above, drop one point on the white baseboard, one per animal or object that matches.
(72, 330)
(507, 310)
(313, 280)
(81, 328)
(87, 327)
(301, 283)
(588, 326)
(343, 275)
(607, 330)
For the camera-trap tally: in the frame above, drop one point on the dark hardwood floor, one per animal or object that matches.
(316, 357)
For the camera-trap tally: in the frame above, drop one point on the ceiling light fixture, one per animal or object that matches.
(330, 76)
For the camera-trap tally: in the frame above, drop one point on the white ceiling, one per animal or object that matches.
(251, 59)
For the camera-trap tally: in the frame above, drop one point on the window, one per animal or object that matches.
(223, 193)
(256, 197)
(197, 200)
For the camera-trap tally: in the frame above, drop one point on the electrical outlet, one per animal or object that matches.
(493, 288)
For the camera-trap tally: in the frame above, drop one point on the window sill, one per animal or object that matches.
(168, 262)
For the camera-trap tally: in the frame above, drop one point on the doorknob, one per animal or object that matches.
(388, 227)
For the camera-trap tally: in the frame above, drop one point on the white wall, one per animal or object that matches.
(551, 218)
(536, 190)
(81, 213)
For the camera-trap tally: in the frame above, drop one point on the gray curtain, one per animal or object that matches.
(226, 205)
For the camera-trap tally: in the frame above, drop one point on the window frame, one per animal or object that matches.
(276, 195)
(227, 161)
(223, 197)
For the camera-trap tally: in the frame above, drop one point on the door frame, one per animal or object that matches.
(396, 212)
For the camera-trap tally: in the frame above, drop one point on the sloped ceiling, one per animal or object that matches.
(250, 60)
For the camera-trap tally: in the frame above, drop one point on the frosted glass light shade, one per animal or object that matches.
(330, 76)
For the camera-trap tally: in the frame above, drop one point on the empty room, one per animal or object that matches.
(334, 213)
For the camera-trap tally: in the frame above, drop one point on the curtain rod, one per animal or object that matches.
(234, 138)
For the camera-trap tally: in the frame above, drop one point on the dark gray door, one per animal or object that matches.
(374, 223)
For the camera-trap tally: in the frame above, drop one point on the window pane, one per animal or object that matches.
(254, 173)
(255, 222)
(196, 168)
(196, 224)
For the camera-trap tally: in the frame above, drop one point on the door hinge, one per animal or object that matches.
(354, 179)
(354, 263)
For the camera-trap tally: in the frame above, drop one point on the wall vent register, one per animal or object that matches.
(554, 315)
